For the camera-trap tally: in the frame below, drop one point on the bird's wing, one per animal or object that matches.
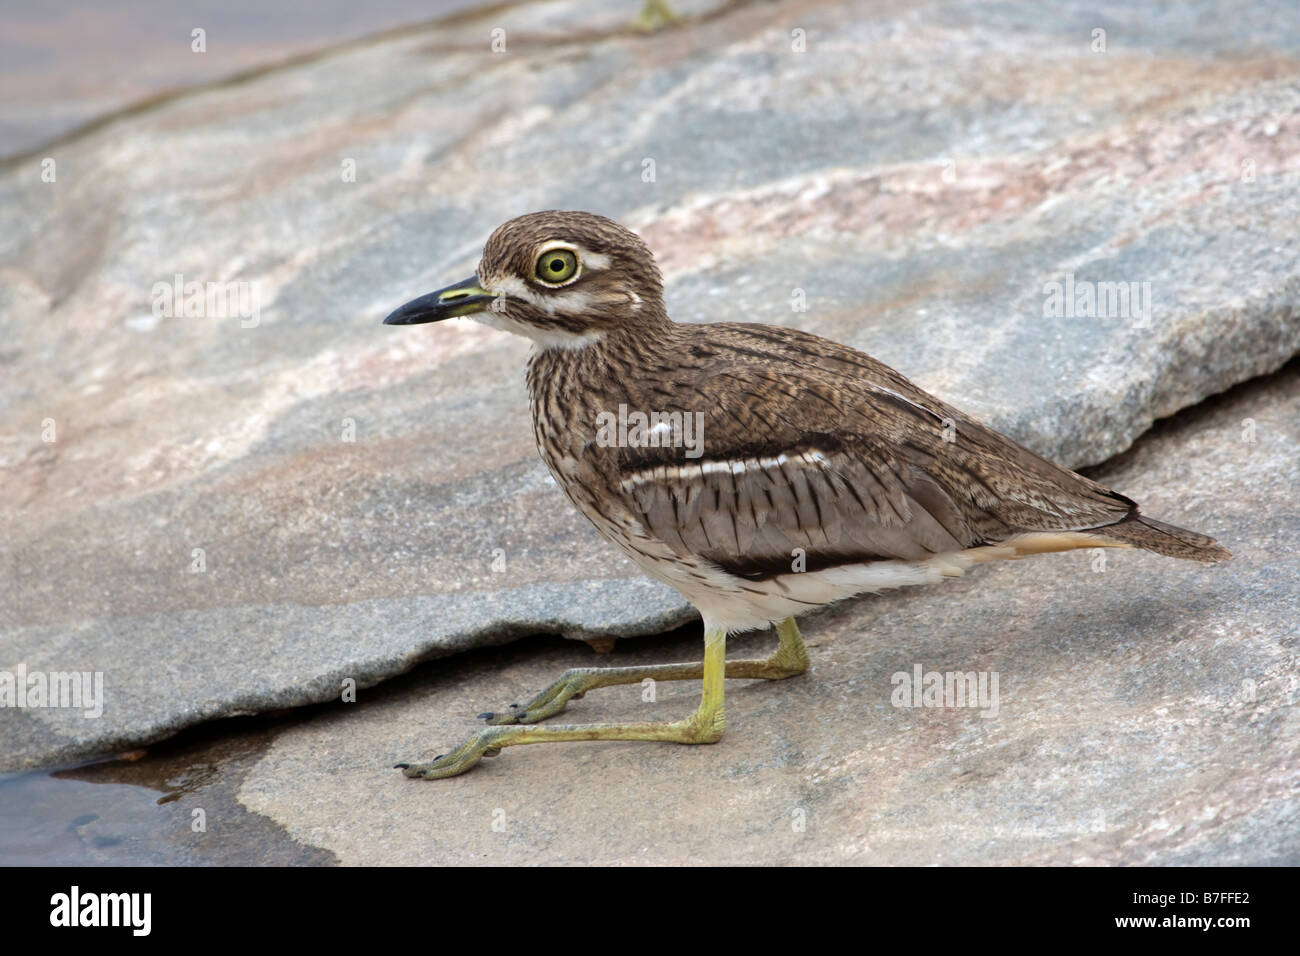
(805, 451)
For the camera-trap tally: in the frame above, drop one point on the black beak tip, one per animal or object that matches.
(412, 313)
(463, 298)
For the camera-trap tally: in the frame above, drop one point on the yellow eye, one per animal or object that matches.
(556, 265)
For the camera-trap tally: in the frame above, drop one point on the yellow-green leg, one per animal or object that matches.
(788, 660)
(705, 726)
(655, 15)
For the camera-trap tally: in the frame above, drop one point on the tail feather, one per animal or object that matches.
(1167, 539)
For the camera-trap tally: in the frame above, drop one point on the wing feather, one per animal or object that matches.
(842, 458)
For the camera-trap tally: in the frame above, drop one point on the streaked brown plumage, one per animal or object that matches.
(823, 472)
(876, 469)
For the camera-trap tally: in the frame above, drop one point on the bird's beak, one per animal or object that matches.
(463, 298)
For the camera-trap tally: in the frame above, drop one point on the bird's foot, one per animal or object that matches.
(788, 660)
(571, 685)
(467, 755)
(703, 727)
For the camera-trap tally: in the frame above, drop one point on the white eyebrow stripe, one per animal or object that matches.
(592, 260)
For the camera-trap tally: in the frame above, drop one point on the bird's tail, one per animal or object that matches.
(1152, 535)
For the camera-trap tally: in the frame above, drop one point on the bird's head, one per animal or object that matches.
(564, 279)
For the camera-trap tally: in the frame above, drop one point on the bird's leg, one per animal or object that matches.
(705, 726)
(655, 15)
(788, 660)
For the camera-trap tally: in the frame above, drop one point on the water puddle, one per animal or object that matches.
(173, 804)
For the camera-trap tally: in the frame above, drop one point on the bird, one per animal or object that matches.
(761, 471)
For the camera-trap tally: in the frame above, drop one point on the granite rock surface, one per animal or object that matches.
(248, 508)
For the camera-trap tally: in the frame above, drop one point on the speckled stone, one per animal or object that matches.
(367, 497)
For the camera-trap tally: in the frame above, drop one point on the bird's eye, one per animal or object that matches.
(556, 265)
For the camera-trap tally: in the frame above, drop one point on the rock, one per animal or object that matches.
(245, 511)
(1146, 714)
(76, 63)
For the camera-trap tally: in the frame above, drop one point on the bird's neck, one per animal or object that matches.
(609, 359)
(644, 335)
